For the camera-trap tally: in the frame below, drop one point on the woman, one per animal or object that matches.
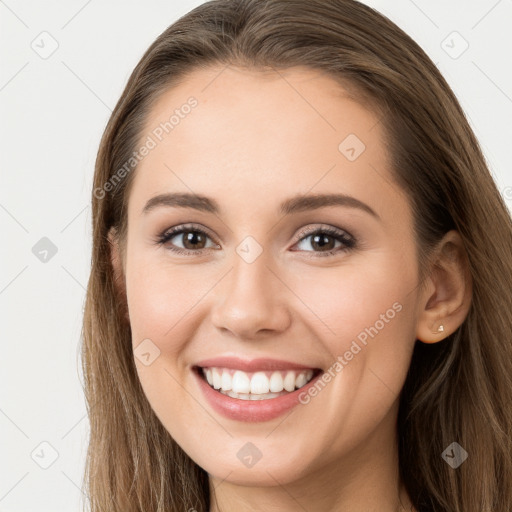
(301, 286)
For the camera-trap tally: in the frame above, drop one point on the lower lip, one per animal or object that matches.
(251, 410)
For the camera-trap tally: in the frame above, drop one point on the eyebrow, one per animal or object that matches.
(294, 204)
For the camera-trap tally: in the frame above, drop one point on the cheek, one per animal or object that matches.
(354, 302)
(159, 300)
(364, 319)
(160, 297)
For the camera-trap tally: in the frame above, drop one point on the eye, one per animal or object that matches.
(192, 237)
(325, 239)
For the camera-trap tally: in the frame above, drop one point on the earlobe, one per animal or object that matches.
(445, 302)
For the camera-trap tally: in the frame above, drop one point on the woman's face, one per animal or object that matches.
(269, 282)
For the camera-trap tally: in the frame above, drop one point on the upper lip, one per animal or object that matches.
(252, 365)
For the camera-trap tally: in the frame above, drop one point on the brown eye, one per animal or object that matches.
(193, 240)
(325, 241)
(183, 239)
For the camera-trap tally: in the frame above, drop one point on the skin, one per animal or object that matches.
(254, 140)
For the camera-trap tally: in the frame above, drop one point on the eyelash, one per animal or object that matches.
(348, 240)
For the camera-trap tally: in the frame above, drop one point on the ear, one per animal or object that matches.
(116, 259)
(445, 301)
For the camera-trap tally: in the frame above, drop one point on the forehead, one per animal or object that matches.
(259, 134)
(298, 102)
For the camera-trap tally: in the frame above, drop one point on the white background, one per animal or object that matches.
(53, 112)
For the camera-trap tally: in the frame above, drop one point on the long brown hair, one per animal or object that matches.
(457, 390)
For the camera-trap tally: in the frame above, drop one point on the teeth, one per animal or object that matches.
(301, 380)
(276, 382)
(226, 381)
(241, 382)
(216, 378)
(258, 385)
(250, 396)
(289, 381)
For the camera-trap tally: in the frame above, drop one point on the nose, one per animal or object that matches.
(251, 301)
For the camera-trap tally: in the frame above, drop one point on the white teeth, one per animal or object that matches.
(216, 378)
(250, 396)
(276, 382)
(289, 381)
(241, 382)
(258, 385)
(226, 381)
(301, 380)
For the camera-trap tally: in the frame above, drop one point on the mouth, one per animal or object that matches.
(255, 385)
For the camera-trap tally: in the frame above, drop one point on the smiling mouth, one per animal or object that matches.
(259, 385)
